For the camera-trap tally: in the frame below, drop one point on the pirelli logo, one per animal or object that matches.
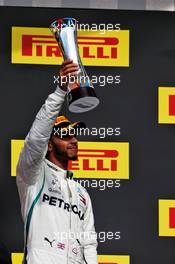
(166, 113)
(38, 46)
(113, 259)
(102, 259)
(95, 159)
(167, 218)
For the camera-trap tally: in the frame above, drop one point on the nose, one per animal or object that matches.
(74, 140)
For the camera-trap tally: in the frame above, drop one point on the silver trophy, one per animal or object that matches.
(81, 93)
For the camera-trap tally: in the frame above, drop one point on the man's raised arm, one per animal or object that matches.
(36, 142)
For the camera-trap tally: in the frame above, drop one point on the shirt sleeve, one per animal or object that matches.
(90, 236)
(36, 142)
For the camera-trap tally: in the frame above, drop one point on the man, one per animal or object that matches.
(57, 211)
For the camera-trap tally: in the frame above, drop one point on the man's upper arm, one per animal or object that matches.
(35, 145)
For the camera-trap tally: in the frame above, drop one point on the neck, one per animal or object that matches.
(63, 164)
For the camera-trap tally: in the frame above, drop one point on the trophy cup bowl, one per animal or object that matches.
(81, 93)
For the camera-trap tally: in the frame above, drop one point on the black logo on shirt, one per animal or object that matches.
(55, 201)
(50, 242)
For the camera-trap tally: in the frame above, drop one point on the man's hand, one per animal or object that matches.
(67, 70)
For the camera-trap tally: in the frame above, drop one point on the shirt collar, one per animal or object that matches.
(62, 172)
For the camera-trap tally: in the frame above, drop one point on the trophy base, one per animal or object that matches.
(82, 99)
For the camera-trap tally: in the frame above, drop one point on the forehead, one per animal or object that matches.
(61, 138)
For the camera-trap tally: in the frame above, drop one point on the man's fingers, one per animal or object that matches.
(69, 66)
(67, 62)
(69, 70)
(74, 73)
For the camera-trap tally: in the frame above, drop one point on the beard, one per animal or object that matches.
(71, 153)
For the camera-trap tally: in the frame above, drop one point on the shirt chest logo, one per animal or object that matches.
(54, 186)
(60, 203)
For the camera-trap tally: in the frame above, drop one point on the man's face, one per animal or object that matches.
(65, 148)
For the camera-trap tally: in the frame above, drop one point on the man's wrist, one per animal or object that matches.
(60, 90)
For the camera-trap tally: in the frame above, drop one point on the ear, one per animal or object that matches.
(50, 146)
